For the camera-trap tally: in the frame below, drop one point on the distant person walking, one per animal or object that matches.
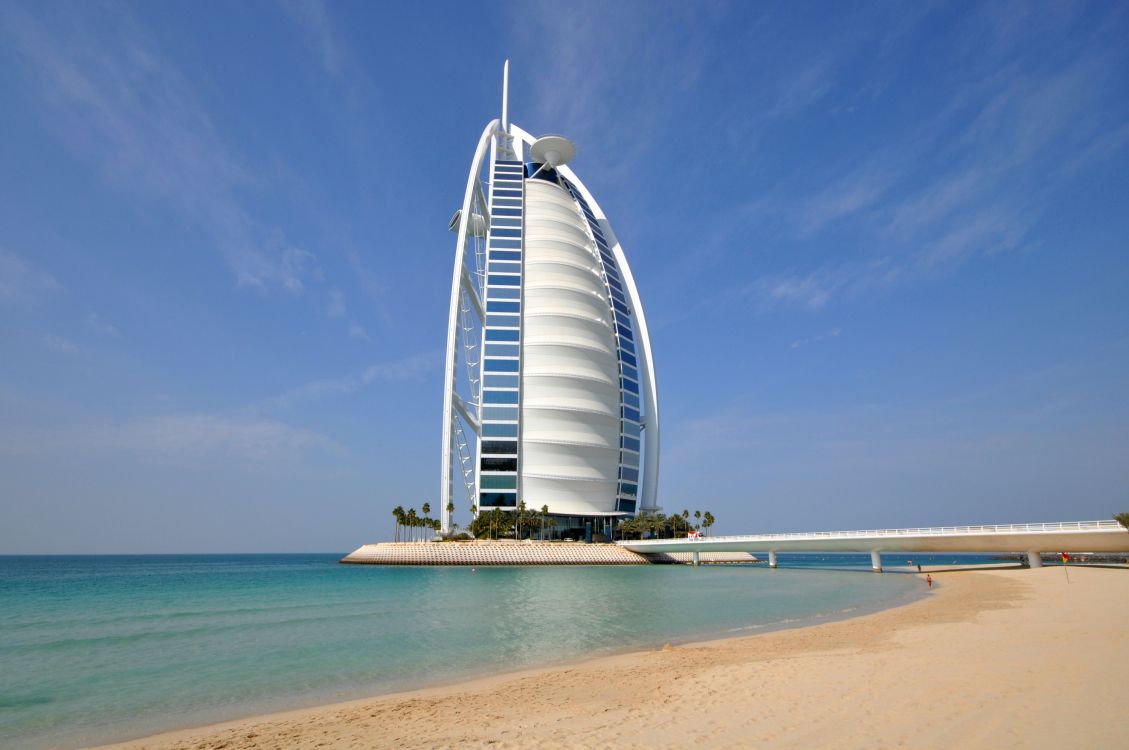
(929, 580)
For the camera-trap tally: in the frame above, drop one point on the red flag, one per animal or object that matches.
(1065, 558)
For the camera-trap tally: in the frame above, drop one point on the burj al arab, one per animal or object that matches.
(549, 394)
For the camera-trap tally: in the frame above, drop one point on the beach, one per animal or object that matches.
(991, 658)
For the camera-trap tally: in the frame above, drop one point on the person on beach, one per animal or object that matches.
(929, 580)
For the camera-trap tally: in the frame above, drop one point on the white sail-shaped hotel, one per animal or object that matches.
(549, 394)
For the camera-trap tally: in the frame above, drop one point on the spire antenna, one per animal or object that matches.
(506, 97)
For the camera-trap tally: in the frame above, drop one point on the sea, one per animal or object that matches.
(96, 649)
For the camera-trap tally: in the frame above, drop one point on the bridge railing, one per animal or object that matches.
(1011, 528)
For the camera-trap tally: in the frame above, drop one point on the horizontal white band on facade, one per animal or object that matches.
(567, 285)
(556, 439)
(563, 313)
(560, 373)
(568, 476)
(580, 264)
(580, 410)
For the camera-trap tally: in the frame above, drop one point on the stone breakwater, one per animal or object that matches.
(519, 553)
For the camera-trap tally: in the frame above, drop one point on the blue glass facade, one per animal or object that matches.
(498, 457)
(630, 422)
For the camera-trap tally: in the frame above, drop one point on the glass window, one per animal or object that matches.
(504, 232)
(503, 321)
(631, 372)
(629, 474)
(499, 397)
(630, 443)
(498, 464)
(504, 280)
(629, 459)
(511, 202)
(616, 294)
(496, 267)
(623, 331)
(498, 482)
(505, 255)
(504, 222)
(507, 212)
(626, 506)
(631, 400)
(505, 447)
(499, 414)
(502, 334)
(627, 358)
(613, 274)
(504, 193)
(500, 381)
(502, 350)
(625, 488)
(498, 499)
(503, 307)
(631, 429)
(627, 346)
(615, 284)
(629, 413)
(501, 365)
(497, 242)
(501, 430)
(628, 385)
(616, 304)
(503, 293)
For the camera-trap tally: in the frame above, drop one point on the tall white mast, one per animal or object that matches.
(506, 97)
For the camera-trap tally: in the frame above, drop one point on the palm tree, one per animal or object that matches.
(412, 522)
(1122, 518)
(398, 514)
(544, 512)
(708, 519)
(451, 512)
(697, 517)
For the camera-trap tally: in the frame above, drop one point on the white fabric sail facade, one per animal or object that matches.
(557, 403)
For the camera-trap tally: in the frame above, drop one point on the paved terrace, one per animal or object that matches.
(1031, 538)
(506, 552)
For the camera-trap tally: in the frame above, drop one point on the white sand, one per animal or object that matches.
(993, 659)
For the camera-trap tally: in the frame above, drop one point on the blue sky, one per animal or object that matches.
(882, 249)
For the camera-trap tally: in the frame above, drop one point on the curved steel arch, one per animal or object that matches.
(458, 283)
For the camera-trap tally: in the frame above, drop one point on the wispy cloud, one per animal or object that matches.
(100, 326)
(22, 283)
(178, 439)
(833, 333)
(406, 368)
(117, 102)
(59, 345)
(969, 182)
(314, 19)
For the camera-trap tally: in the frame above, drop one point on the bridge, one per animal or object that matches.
(1031, 538)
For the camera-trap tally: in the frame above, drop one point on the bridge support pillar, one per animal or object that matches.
(772, 559)
(875, 561)
(1034, 560)
(697, 558)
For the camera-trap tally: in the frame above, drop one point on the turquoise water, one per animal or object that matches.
(102, 648)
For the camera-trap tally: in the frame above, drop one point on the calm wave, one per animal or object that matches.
(96, 649)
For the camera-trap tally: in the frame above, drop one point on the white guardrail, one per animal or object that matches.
(1009, 528)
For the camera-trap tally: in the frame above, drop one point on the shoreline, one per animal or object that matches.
(992, 656)
(426, 685)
